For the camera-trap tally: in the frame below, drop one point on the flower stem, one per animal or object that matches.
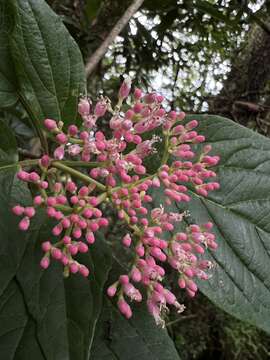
(84, 164)
(78, 174)
(166, 148)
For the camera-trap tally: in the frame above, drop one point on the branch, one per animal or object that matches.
(116, 30)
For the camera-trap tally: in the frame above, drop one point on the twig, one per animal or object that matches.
(180, 319)
(116, 30)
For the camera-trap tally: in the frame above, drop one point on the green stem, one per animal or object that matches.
(63, 208)
(75, 141)
(78, 174)
(166, 148)
(84, 164)
(133, 184)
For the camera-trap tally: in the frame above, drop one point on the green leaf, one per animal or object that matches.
(13, 313)
(48, 63)
(240, 211)
(84, 300)
(91, 8)
(8, 145)
(139, 338)
(41, 315)
(8, 93)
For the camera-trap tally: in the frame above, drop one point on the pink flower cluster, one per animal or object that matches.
(112, 172)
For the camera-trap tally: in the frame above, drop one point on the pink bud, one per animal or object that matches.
(51, 212)
(72, 130)
(66, 240)
(84, 107)
(137, 108)
(50, 124)
(136, 275)
(62, 138)
(18, 210)
(23, 175)
(125, 88)
(74, 200)
(111, 291)
(83, 248)
(56, 253)
(73, 249)
(126, 241)
(90, 238)
(181, 283)
(74, 267)
(93, 201)
(33, 176)
(45, 161)
(83, 270)
(100, 108)
(124, 308)
(77, 232)
(45, 262)
(156, 182)
(191, 285)
(140, 250)
(103, 222)
(65, 223)
(191, 125)
(208, 225)
(57, 229)
(38, 200)
(29, 211)
(189, 272)
(71, 186)
(170, 297)
(137, 93)
(64, 260)
(84, 135)
(44, 184)
(59, 153)
(24, 224)
(74, 150)
(93, 226)
(51, 201)
(46, 246)
(124, 279)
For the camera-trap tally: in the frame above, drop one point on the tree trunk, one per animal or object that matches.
(245, 93)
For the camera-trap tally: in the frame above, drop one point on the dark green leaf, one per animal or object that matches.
(91, 8)
(84, 300)
(48, 63)
(240, 211)
(138, 338)
(8, 93)
(38, 313)
(8, 145)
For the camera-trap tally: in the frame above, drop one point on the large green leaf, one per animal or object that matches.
(139, 338)
(84, 300)
(42, 315)
(8, 93)
(13, 313)
(8, 145)
(48, 64)
(240, 211)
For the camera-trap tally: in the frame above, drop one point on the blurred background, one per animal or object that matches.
(204, 57)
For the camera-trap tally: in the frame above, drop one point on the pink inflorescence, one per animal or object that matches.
(115, 174)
